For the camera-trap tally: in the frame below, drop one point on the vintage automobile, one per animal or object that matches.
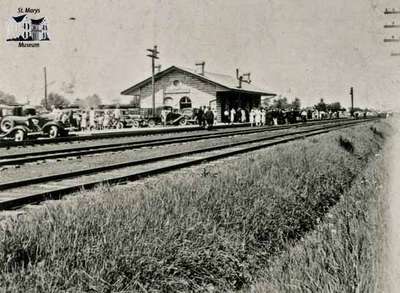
(144, 117)
(24, 122)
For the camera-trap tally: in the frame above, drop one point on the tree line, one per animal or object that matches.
(7, 99)
(59, 101)
(282, 103)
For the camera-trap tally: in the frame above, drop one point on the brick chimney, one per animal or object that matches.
(239, 78)
(200, 70)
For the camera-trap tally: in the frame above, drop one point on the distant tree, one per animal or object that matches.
(56, 100)
(358, 109)
(280, 103)
(296, 104)
(92, 101)
(7, 98)
(321, 106)
(77, 102)
(334, 107)
(116, 100)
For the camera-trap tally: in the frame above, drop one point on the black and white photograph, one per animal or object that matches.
(244, 146)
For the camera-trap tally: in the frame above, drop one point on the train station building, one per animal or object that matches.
(181, 88)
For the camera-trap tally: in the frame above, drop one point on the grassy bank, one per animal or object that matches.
(217, 227)
(343, 253)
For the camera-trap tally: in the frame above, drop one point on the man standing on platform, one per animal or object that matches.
(200, 117)
(209, 117)
(164, 117)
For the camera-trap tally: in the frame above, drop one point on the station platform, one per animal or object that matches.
(152, 130)
(115, 133)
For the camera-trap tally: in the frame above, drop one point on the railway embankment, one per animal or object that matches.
(352, 247)
(215, 227)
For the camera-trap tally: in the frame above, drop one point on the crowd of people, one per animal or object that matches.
(259, 116)
(88, 119)
(205, 117)
(94, 119)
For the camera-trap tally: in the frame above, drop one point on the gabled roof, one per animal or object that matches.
(37, 21)
(19, 18)
(225, 81)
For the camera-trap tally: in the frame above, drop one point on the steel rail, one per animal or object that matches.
(21, 158)
(78, 151)
(279, 139)
(110, 135)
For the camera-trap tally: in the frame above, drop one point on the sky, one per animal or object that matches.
(310, 49)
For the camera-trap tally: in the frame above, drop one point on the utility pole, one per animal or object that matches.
(153, 56)
(392, 12)
(352, 101)
(45, 88)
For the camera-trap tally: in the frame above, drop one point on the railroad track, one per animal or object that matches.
(26, 157)
(119, 134)
(5, 143)
(32, 190)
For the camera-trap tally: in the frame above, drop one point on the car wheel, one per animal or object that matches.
(19, 135)
(6, 125)
(152, 123)
(53, 131)
(120, 125)
(183, 121)
(136, 124)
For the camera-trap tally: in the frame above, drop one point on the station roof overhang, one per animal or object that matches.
(224, 83)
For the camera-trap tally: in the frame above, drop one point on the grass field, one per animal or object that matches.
(215, 228)
(343, 253)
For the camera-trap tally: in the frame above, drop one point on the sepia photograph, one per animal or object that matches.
(244, 146)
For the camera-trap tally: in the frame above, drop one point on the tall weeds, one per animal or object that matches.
(188, 231)
(342, 254)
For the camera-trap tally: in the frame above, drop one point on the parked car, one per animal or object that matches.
(25, 123)
(174, 116)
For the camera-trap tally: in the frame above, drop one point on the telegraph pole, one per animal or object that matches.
(393, 25)
(392, 11)
(352, 101)
(45, 88)
(153, 56)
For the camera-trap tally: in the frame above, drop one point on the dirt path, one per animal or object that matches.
(390, 279)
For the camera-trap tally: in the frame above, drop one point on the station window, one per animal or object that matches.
(184, 103)
(176, 82)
